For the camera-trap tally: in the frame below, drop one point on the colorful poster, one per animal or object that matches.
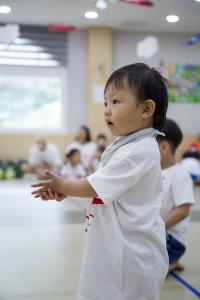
(184, 83)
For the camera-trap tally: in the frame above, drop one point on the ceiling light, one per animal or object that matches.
(5, 9)
(172, 18)
(101, 4)
(197, 0)
(91, 15)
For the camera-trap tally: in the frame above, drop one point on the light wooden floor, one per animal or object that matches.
(41, 245)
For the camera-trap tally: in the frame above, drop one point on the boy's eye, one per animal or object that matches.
(105, 104)
(115, 101)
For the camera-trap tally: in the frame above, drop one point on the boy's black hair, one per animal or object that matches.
(71, 153)
(147, 83)
(173, 134)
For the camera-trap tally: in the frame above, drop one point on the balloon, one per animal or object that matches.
(148, 47)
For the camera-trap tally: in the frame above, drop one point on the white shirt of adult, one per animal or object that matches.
(49, 155)
(125, 255)
(178, 190)
(87, 151)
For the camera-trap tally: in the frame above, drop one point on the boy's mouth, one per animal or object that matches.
(109, 123)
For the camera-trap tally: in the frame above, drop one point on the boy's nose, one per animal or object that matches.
(107, 111)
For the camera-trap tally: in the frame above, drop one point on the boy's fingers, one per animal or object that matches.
(38, 191)
(46, 196)
(38, 184)
(60, 197)
(57, 197)
(37, 196)
(51, 194)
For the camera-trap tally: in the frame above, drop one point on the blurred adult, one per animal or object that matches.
(84, 144)
(42, 155)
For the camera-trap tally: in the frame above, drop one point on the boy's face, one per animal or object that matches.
(124, 114)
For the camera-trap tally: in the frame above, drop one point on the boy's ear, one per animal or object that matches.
(148, 108)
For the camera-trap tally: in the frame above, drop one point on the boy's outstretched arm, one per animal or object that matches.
(177, 215)
(76, 188)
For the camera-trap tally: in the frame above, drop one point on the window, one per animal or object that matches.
(32, 100)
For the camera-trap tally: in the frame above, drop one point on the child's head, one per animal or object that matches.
(83, 135)
(135, 98)
(73, 156)
(41, 143)
(101, 140)
(172, 139)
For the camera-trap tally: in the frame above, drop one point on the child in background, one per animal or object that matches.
(195, 146)
(73, 168)
(85, 145)
(95, 161)
(178, 194)
(191, 163)
(101, 140)
(125, 254)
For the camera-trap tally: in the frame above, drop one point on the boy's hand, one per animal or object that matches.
(54, 185)
(50, 195)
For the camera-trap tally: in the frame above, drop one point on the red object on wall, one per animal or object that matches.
(61, 28)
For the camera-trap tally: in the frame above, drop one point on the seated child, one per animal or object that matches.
(191, 163)
(95, 161)
(73, 168)
(178, 194)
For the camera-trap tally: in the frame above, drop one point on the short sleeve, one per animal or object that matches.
(182, 188)
(122, 172)
(111, 181)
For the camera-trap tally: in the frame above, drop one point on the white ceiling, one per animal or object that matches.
(118, 15)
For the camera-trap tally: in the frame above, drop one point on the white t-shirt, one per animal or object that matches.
(125, 256)
(73, 172)
(49, 155)
(178, 190)
(87, 151)
(191, 165)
